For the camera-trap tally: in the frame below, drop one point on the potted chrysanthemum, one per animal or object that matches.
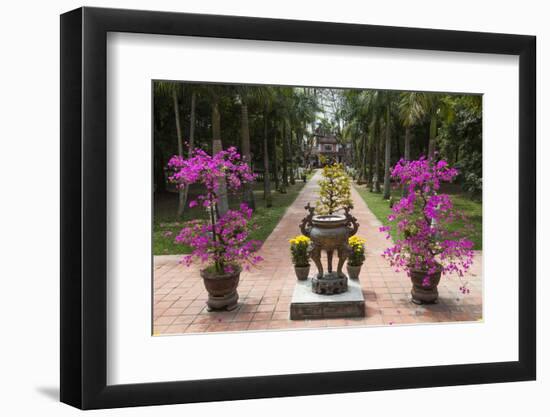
(428, 244)
(299, 252)
(356, 256)
(222, 243)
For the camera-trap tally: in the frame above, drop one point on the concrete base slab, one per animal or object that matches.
(306, 304)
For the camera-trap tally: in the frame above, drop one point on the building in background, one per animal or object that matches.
(326, 149)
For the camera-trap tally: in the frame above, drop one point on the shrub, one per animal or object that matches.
(335, 192)
(222, 242)
(423, 221)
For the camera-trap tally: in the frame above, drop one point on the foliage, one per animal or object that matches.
(223, 241)
(335, 190)
(357, 255)
(461, 140)
(426, 241)
(299, 246)
(472, 210)
(413, 124)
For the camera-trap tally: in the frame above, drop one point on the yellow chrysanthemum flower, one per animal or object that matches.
(356, 241)
(299, 240)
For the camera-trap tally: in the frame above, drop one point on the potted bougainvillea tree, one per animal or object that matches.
(427, 245)
(222, 243)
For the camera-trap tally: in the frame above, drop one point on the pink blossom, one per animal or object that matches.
(223, 241)
(421, 221)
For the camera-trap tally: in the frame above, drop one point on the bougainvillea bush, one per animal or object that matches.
(223, 241)
(422, 220)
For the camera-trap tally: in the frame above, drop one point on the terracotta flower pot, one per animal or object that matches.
(353, 271)
(222, 289)
(302, 272)
(424, 291)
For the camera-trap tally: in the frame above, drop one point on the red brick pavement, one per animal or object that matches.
(265, 292)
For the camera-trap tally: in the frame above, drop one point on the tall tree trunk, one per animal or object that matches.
(387, 156)
(407, 155)
(357, 158)
(274, 156)
(292, 178)
(160, 180)
(371, 165)
(363, 155)
(284, 134)
(397, 143)
(433, 134)
(358, 166)
(223, 205)
(181, 191)
(375, 177)
(380, 173)
(267, 181)
(191, 141)
(248, 194)
(300, 163)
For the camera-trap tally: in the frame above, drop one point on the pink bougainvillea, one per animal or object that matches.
(209, 171)
(422, 219)
(223, 241)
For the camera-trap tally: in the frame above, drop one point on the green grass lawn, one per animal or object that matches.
(165, 226)
(472, 210)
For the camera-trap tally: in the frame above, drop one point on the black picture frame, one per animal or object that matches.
(84, 207)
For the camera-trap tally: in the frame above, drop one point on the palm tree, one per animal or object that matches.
(410, 113)
(431, 107)
(356, 131)
(284, 107)
(215, 93)
(387, 98)
(379, 106)
(246, 95)
(264, 98)
(374, 103)
(191, 145)
(303, 113)
(284, 140)
(175, 91)
(436, 107)
(376, 140)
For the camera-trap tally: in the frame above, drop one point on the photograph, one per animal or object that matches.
(299, 207)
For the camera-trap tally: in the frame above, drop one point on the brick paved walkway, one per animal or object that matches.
(265, 293)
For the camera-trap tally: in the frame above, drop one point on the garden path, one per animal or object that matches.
(265, 292)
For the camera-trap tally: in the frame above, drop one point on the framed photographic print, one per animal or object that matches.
(257, 208)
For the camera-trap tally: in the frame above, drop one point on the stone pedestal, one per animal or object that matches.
(306, 304)
(330, 284)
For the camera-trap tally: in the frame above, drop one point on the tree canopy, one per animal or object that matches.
(276, 128)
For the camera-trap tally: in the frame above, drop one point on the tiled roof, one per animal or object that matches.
(327, 139)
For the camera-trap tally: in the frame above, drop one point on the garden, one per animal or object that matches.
(294, 207)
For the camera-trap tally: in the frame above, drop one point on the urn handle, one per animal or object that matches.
(352, 224)
(306, 224)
